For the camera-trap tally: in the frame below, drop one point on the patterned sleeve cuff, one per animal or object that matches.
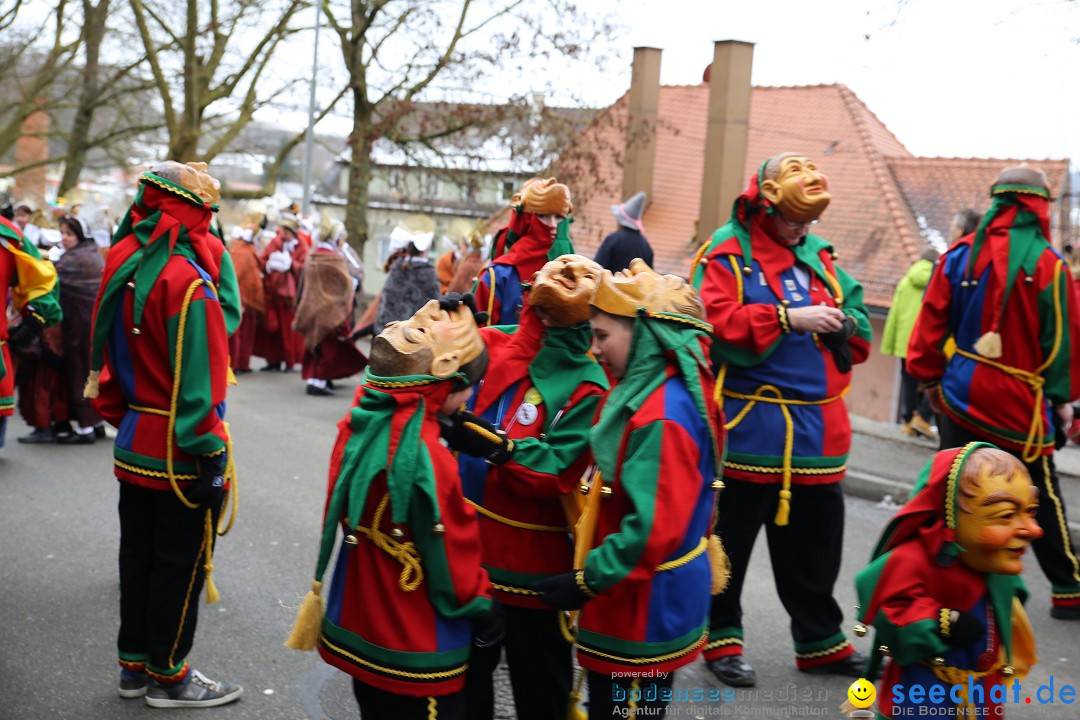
(781, 315)
(579, 579)
(944, 624)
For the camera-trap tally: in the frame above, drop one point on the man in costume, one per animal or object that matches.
(628, 242)
(34, 292)
(789, 324)
(282, 261)
(159, 362)
(539, 230)
(996, 343)
(408, 591)
(324, 316)
(943, 588)
(245, 259)
(645, 577)
(529, 453)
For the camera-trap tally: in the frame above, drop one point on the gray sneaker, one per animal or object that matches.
(196, 691)
(132, 684)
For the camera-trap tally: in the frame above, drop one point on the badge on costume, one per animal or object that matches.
(789, 284)
(533, 396)
(527, 412)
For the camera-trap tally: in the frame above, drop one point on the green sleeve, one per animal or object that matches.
(1056, 329)
(620, 553)
(229, 294)
(198, 429)
(917, 641)
(538, 464)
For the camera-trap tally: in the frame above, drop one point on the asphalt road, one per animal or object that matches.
(58, 601)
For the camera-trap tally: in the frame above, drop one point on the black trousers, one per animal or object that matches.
(376, 704)
(540, 667)
(1054, 549)
(911, 398)
(608, 695)
(805, 553)
(162, 554)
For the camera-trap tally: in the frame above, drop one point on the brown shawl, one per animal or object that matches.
(326, 297)
(248, 275)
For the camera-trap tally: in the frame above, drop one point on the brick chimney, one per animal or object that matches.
(31, 146)
(726, 135)
(643, 113)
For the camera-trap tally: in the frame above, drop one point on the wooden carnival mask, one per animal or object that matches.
(563, 288)
(798, 190)
(433, 342)
(640, 287)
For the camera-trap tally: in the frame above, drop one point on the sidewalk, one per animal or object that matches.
(884, 463)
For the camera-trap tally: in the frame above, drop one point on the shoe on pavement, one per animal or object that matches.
(922, 427)
(132, 684)
(906, 429)
(76, 439)
(1064, 612)
(852, 666)
(321, 392)
(733, 671)
(196, 690)
(39, 435)
(271, 367)
(99, 432)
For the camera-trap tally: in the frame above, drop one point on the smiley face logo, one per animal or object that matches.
(861, 694)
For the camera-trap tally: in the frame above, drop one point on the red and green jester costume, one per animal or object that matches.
(998, 343)
(408, 577)
(788, 425)
(159, 366)
(658, 445)
(34, 290)
(914, 580)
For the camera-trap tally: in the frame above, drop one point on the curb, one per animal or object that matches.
(874, 488)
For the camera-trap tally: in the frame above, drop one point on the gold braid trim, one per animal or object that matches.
(412, 574)
(152, 473)
(441, 675)
(943, 622)
(579, 578)
(702, 546)
(781, 314)
(794, 470)
(723, 642)
(174, 189)
(647, 660)
(516, 590)
(823, 653)
(401, 383)
(515, 523)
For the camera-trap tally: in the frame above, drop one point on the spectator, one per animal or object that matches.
(628, 242)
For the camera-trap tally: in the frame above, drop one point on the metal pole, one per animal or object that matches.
(309, 137)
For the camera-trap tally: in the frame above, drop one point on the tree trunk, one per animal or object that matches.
(78, 140)
(360, 143)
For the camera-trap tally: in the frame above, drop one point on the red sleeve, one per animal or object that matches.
(754, 327)
(925, 354)
(110, 403)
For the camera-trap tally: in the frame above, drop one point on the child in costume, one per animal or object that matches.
(408, 591)
(943, 588)
(530, 420)
(645, 581)
(35, 293)
(539, 230)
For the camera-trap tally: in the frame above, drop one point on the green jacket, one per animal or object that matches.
(906, 303)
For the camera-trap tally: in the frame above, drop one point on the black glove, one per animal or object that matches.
(837, 343)
(210, 487)
(489, 628)
(473, 435)
(26, 331)
(452, 301)
(964, 630)
(565, 592)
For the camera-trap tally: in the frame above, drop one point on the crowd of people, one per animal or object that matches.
(573, 461)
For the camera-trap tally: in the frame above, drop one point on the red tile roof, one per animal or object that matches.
(875, 182)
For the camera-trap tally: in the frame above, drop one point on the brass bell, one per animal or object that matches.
(1029, 278)
(1008, 671)
(543, 436)
(860, 630)
(605, 491)
(351, 539)
(975, 282)
(136, 331)
(746, 270)
(438, 528)
(717, 484)
(883, 649)
(785, 302)
(939, 662)
(584, 489)
(397, 533)
(131, 284)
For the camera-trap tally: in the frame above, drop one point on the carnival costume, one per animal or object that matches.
(408, 577)
(159, 368)
(35, 294)
(788, 429)
(283, 261)
(543, 398)
(647, 563)
(245, 258)
(938, 620)
(522, 247)
(997, 345)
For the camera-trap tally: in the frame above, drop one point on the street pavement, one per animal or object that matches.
(58, 601)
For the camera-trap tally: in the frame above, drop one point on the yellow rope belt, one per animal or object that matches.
(412, 574)
(516, 523)
(959, 676)
(702, 546)
(775, 397)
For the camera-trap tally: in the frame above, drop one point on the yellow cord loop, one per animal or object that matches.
(516, 523)
(412, 574)
(783, 511)
(960, 676)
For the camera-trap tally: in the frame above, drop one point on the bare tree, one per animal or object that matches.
(210, 66)
(394, 50)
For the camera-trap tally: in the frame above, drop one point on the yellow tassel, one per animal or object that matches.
(784, 509)
(308, 626)
(720, 564)
(212, 595)
(91, 389)
(230, 377)
(574, 711)
(989, 345)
